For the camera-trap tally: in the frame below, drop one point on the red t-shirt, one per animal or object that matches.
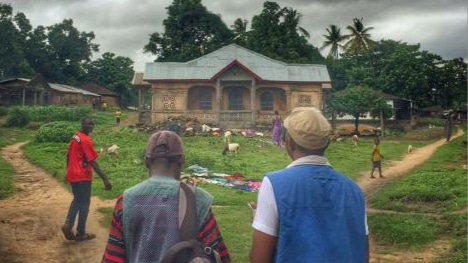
(80, 154)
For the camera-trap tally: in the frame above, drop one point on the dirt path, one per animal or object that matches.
(30, 221)
(132, 119)
(396, 170)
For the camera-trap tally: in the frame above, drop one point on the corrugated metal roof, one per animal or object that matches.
(70, 89)
(207, 66)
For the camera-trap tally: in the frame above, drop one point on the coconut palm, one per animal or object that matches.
(334, 40)
(359, 39)
(292, 19)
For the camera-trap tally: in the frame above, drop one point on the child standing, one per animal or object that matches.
(118, 115)
(376, 158)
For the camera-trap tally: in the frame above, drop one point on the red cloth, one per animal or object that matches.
(80, 154)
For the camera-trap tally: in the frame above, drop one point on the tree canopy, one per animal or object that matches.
(190, 31)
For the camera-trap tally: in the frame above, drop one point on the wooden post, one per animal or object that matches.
(382, 127)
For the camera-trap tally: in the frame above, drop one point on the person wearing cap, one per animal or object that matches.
(309, 212)
(145, 222)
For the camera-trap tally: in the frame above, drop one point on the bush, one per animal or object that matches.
(57, 113)
(58, 131)
(3, 111)
(17, 117)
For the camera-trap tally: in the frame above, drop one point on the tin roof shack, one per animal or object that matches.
(107, 96)
(38, 92)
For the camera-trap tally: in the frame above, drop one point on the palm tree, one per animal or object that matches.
(359, 39)
(334, 40)
(239, 28)
(292, 19)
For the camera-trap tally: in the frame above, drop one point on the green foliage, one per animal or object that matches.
(3, 111)
(190, 31)
(17, 117)
(276, 33)
(57, 131)
(403, 231)
(6, 180)
(357, 100)
(57, 113)
(439, 185)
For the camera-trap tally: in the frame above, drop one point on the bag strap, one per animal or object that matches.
(187, 213)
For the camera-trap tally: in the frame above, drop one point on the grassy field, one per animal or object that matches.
(257, 157)
(8, 137)
(431, 196)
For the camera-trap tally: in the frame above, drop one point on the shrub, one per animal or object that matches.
(57, 113)
(17, 117)
(58, 131)
(3, 111)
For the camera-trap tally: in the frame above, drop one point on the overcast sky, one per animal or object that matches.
(123, 26)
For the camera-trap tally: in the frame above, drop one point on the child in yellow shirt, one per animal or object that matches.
(376, 158)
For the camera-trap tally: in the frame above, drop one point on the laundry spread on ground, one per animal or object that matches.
(237, 181)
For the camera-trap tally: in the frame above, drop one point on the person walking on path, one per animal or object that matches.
(376, 158)
(309, 212)
(145, 223)
(277, 130)
(118, 115)
(81, 161)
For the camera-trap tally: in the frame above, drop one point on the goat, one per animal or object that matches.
(113, 150)
(227, 137)
(234, 148)
(410, 148)
(355, 140)
(205, 128)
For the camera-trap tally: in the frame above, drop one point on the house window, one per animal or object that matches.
(235, 100)
(266, 101)
(204, 100)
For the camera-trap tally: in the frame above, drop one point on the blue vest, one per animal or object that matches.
(321, 216)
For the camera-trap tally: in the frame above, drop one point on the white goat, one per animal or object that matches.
(234, 148)
(113, 150)
(227, 137)
(355, 140)
(410, 148)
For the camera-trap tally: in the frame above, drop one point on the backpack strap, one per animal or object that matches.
(188, 226)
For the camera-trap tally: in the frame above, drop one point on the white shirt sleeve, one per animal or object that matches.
(266, 216)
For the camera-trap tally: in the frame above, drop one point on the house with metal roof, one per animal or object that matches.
(37, 91)
(233, 87)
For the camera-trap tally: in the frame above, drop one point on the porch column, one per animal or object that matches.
(288, 100)
(35, 98)
(218, 100)
(253, 88)
(140, 106)
(24, 95)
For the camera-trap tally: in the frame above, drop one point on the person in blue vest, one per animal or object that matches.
(309, 212)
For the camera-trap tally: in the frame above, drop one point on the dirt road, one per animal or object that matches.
(30, 221)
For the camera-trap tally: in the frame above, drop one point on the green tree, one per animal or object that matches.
(68, 49)
(357, 100)
(334, 40)
(13, 36)
(190, 32)
(239, 28)
(453, 79)
(276, 33)
(359, 38)
(115, 73)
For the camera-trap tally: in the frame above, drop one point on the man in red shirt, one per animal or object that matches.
(81, 161)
